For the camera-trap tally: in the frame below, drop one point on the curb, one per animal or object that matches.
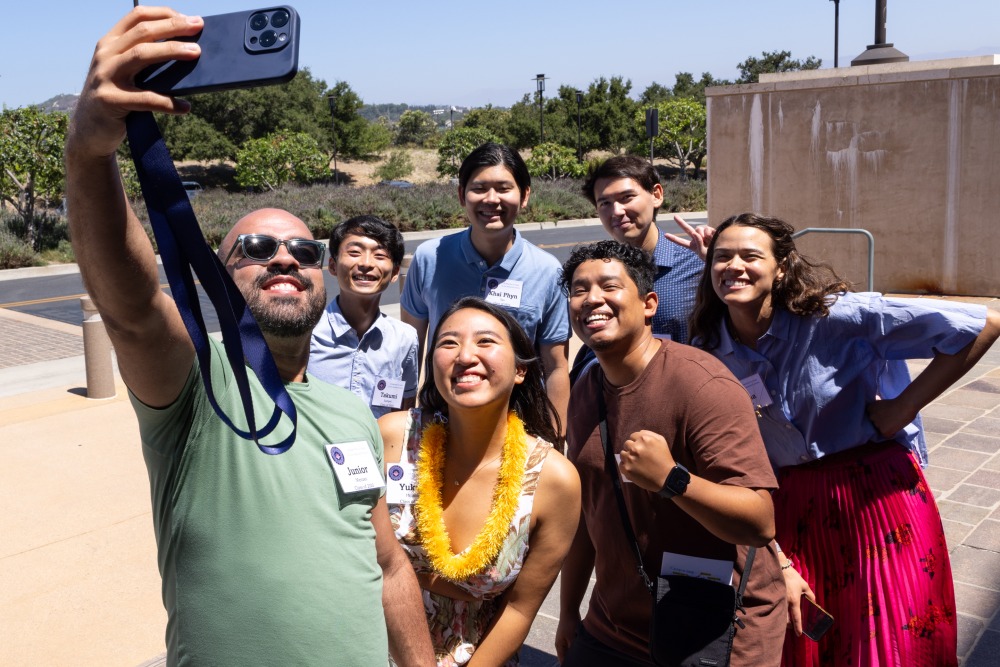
(67, 269)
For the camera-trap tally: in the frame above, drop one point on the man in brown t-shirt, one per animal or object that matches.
(698, 481)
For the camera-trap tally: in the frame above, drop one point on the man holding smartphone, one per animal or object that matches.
(264, 559)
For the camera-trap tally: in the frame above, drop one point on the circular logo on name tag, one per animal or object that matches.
(395, 473)
(338, 456)
(381, 385)
(492, 283)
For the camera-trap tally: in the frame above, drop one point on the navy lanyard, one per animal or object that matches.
(183, 248)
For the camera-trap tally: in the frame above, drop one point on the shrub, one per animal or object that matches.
(398, 166)
(15, 253)
(688, 195)
(280, 158)
(456, 144)
(552, 161)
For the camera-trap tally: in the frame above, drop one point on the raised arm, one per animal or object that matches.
(555, 512)
(891, 416)
(735, 514)
(116, 260)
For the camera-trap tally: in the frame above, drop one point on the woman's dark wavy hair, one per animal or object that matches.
(807, 287)
(528, 399)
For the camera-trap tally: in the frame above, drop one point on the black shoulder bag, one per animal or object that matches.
(694, 620)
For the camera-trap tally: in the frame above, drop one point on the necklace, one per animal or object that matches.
(430, 515)
(478, 468)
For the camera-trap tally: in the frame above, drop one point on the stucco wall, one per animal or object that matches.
(908, 151)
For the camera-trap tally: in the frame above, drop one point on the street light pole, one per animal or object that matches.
(540, 84)
(836, 33)
(332, 101)
(579, 144)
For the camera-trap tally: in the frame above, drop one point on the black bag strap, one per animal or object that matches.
(611, 466)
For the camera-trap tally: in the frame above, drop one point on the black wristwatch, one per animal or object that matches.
(677, 482)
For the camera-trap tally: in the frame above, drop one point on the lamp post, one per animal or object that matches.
(836, 33)
(579, 144)
(332, 101)
(880, 51)
(540, 84)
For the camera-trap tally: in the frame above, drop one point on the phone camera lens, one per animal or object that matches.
(268, 38)
(279, 18)
(259, 21)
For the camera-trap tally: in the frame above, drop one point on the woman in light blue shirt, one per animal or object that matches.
(839, 416)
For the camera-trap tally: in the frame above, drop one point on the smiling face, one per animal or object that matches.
(628, 211)
(285, 298)
(492, 199)
(605, 306)
(744, 270)
(362, 266)
(474, 363)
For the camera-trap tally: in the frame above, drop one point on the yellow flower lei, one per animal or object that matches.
(430, 515)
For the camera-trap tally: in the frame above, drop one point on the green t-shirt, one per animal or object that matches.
(265, 560)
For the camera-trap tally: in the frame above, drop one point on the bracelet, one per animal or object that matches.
(787, 565)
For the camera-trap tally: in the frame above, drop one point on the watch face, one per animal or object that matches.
(678, 480)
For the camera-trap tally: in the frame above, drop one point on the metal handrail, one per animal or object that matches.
(840, 230)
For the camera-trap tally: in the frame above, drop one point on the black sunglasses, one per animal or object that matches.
(262, 248)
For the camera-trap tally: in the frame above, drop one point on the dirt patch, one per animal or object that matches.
(424, 167)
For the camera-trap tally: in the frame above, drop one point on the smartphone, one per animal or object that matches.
(258, 47)
(815, 620)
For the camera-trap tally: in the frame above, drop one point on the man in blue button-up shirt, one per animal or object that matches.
(355, 345)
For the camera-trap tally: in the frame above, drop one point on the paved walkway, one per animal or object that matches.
(78, 578)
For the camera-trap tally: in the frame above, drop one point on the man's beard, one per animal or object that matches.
(284, 317)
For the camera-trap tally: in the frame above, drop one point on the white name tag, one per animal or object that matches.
(618, 458)
(504, 292)
(355, 466)
(758, 392)
(388, 393)
(693, 566)
(401, 484)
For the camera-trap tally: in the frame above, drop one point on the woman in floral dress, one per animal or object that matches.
(481, 502)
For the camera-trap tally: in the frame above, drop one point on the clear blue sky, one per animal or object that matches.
(470, 54)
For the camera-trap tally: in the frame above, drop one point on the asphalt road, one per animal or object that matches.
(57, 297)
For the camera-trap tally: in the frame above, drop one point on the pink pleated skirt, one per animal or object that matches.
(863, 529)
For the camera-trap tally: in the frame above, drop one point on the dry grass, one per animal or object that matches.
(424, 167)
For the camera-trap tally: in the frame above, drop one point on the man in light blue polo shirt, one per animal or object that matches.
(490, 259)
(355, 345)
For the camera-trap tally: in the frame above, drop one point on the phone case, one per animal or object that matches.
(236, 52)
(815, 620)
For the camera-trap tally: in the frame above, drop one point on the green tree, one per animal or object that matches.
(682, 133)
(552, 161)
(240, 115)
(490, 118)
(456, 146)
(415, 127)
(772, 62)
(654, 94)
(686, 86)
(193, 138)
(279, 158)
(398, 166)
(522, 127)
(31, 162)
(356, 137)
(608, 112)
